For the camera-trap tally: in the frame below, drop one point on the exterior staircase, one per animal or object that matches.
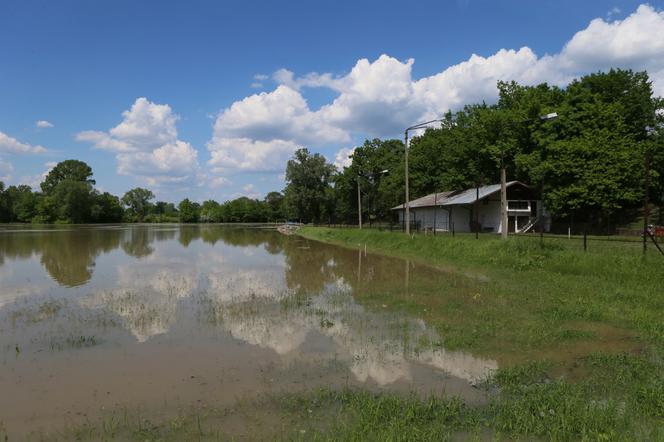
(532, 223)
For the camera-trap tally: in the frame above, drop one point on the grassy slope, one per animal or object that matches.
(555, 293)
(588, 328)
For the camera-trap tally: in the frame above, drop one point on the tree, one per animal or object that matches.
(307, 178)
(275, 206)
(68, 170)
(22, 202)
(138, 202)
(106, 208)
(378, 166)
(72, 201)
(5, 214)
(210, 212)
(590, 159)
(189, 211)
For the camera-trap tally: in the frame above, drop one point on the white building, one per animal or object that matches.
(455, 210)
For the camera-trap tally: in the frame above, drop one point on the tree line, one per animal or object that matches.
(68, 195)
(590, 162)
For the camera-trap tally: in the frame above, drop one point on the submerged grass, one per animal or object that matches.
(73, 341)
(525, 403)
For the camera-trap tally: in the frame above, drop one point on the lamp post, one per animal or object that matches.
(414, 127)
(503, 187)
(359, 204)
(359, 197)
(540, 207)
(646, 191)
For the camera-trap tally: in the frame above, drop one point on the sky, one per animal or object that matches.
(209, 99)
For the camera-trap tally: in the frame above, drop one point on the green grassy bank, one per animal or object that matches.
(580, 334)
(528, 297)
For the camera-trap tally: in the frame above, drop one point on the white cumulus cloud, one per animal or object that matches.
(245, 154)
(43, 124)
(12, 145)
(6, 171)
(282, 114)
(381, 97)
(343, 158)
(146, 145)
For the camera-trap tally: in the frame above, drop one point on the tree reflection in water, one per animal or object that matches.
(260, 287)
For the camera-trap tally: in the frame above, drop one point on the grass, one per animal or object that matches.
(553, 294)
(579, 335)
(45, 311)
(526, 403)
(73, 342)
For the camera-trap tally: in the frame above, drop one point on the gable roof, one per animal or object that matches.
(428, 200)
(458, 197)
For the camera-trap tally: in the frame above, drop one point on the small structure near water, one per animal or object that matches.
(288, 229)
(456, 210)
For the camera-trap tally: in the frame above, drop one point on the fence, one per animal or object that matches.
(630, 241)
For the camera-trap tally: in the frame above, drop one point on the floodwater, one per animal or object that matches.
(96, 318)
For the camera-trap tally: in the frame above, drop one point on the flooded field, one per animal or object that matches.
(160, 317)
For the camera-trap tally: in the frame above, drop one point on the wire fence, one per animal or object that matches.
(625, 240)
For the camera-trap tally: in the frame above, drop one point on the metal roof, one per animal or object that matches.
(427, 201)
(452, 198)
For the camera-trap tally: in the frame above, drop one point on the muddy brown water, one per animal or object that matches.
(98, 318)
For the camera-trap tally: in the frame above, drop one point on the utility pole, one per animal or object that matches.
(646, 191)
(359, 204)
(405, 144)
(477, 211)
(407, 220)
(359, 195)
(435, 208)
(503, 199)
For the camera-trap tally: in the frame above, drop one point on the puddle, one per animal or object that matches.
(161, 317)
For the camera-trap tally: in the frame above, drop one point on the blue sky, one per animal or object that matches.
(208, 99)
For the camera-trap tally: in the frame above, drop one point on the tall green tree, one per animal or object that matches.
(138, 202)
(308, 179)
(72, 201)
(275, 206)
(106, 208)
(590, 159)
(22, 203)
(68, 170)
(378, 165)
(210, 212)
(189, 211)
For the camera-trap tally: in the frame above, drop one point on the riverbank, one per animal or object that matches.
(553, 293)
(247, 334)
(580, 334)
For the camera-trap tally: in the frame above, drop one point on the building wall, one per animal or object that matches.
(460, 217)
(489, 215)
(426, 217)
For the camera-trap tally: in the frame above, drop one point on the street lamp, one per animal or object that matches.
(503, 187)
(650, 131)
(359, 196)
(414, 127)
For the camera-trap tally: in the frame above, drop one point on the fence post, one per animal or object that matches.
(585, 240)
